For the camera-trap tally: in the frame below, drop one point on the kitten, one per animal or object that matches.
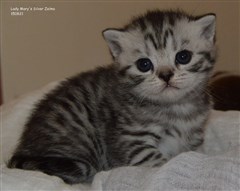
(145, 108)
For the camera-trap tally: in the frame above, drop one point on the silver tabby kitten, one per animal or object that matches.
(145, 108)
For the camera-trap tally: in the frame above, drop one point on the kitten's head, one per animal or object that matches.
(168, 54)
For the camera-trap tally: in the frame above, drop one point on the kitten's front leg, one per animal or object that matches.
(196, 138)
(146, 155)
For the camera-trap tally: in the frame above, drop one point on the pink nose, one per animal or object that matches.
(166, 75)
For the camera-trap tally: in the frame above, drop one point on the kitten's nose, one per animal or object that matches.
(166, 75)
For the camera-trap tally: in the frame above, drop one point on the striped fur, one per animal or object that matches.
(116, 115)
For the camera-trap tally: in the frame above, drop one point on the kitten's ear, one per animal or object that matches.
(208, 25)
(113, 38)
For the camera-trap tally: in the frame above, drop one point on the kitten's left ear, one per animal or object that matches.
(208, 25)
(114, 38)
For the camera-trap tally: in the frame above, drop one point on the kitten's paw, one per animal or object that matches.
(150, 157)
(70, 171)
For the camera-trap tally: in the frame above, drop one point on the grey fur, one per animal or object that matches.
(116, 115)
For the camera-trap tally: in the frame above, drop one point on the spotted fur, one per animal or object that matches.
(117, 115)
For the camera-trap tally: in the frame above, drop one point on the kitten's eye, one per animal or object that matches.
(183, 57)
(144, 64)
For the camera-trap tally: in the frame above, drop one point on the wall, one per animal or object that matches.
(43, 46)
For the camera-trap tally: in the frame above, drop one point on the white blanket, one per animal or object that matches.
(216, 166)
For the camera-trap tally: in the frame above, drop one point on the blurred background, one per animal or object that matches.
(43, 46)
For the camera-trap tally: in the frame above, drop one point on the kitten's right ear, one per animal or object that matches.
(113, 38)
(208, 25)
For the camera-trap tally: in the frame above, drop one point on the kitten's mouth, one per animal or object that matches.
(170, 87)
